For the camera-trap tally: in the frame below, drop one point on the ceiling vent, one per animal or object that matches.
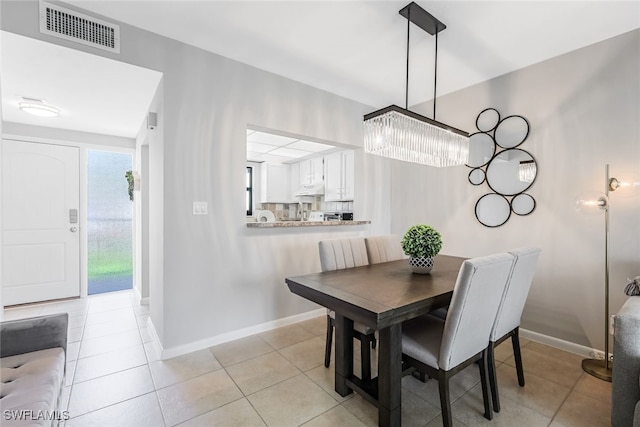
(71, 25)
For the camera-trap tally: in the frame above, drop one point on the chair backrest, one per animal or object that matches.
(515, 294)
(473, 309)
(337, 254)
(384, 248)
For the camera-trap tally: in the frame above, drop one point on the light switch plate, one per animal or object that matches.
(200, 208)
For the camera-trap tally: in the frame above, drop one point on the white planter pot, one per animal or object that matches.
(421, 265)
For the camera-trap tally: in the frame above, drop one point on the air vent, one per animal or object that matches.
(71, 25)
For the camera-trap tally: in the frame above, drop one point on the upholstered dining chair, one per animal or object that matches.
(442, 348)
(338, 254)
(507, 323)
(384, 248)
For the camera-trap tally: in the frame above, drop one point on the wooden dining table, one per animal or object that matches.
(380, 296)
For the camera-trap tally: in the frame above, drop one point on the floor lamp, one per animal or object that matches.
(597, 367)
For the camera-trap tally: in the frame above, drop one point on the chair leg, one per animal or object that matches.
(445, 400)
(517, 355)
(420, 376)
(327, 348)
(488, 412)
(493, 380)
(365, 355)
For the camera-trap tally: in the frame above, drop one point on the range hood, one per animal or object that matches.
(314, 189)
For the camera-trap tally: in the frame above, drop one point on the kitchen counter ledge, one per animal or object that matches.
(285, 224)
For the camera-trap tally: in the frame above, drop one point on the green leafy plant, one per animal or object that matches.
(421, 241)
(129, 176)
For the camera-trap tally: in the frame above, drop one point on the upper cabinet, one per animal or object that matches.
(274, 188)
(339, 176)
(311, 170)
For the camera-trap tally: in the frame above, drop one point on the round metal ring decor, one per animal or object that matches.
(477, 176)
(482, 148)
(493, 210)
(507, 170)
(487, 120)
(523, 204)
(511, 131)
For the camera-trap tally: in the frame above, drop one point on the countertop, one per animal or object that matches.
(282, 224)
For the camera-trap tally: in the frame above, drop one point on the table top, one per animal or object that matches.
(379, 295)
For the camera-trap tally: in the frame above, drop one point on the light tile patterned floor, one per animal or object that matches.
(277, 378)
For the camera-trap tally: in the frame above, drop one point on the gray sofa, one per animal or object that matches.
(32, 370)
(625, 392)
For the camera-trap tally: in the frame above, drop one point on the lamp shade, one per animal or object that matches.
(592, 203)
(401, 134)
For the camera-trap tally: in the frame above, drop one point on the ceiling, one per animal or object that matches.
(94, 94)
(356, 49)
(269, 147)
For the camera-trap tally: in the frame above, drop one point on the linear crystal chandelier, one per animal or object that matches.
(398, 133)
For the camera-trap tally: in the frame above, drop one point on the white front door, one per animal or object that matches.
(40, 222)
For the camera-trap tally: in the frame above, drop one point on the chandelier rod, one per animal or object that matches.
(406, 85)
(435, 78)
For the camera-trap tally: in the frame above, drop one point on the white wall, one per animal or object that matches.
(583, 108)
(211, 275)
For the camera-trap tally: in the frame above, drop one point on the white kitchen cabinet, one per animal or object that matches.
(339, 176)
(274, 183)
(311, 170)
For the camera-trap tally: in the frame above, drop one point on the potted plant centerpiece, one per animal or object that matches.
(421, 242)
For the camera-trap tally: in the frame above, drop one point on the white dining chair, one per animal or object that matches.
(507, 323)
(442, 348)
(384, 248)
(338, 254)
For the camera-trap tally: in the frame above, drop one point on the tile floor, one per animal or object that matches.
(277, 378)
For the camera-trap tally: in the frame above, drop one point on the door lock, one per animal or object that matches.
(73, 229)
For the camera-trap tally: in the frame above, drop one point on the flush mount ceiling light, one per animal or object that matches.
(38, 107)
(398, 133)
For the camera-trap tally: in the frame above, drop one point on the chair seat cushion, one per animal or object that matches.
(421, 339)
(363, 329)
(32, 381)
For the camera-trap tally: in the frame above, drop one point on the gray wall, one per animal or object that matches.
(583, 108)
(210, 275)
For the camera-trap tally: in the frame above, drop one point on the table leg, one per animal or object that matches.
(389, 375)
(344, 354)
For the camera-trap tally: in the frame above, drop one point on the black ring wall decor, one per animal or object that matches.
(507, 170)
(482, 148)
(493, 210)
(511, 131)
(487, 120)
(477, 176)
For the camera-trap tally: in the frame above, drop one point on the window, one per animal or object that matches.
(249, 190)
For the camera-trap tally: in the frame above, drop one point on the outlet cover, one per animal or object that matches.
(200, 208)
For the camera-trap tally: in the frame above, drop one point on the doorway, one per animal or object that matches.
(40, 223)
(109, 222)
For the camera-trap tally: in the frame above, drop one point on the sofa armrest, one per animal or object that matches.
(625, 391)
(33, 334)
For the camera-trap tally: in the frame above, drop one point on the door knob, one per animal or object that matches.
(73, 229)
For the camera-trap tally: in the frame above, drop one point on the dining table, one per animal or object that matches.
(380, 296)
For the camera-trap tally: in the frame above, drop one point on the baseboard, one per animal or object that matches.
(141, 301)
(167, 353)
(170, 352)
(155, 339)
(567, 346)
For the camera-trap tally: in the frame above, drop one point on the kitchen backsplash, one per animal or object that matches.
(299, 211)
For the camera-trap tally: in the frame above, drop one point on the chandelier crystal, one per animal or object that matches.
(401, 134)
(527, 171)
